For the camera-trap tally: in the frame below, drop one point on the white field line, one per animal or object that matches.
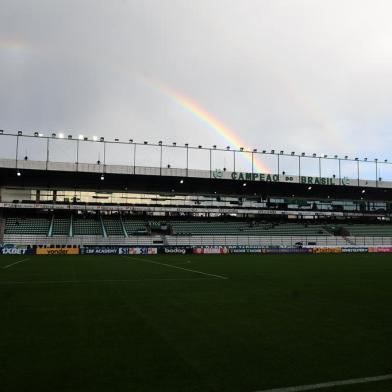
(331, 384)
(16, 282)
(175, 266)
(16, 262)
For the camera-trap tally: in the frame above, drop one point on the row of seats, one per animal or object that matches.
(366, 230)
(246, 228)
(151, 240)
(123, 226)
(37, 225)
(78, 225)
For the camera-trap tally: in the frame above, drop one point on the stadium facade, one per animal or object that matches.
(204, 207)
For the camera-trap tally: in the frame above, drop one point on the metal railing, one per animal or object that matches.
(212, 157)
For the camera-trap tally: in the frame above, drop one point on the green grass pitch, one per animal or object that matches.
(150, 323)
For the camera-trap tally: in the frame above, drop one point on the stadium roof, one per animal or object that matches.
(95, 178)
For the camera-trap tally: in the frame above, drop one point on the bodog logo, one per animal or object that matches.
(175, 250)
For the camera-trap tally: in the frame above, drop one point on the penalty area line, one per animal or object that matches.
(176, 267)
(331, 384)
(17, 262)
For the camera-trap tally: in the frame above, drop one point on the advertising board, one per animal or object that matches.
(246, 249)
(99, 251)
(327, 250)
(16, 251)
(57, 251)
(137, 251)
(211, 250)
(380, 249)
(286, 250)
(355, 250)
(176, 250)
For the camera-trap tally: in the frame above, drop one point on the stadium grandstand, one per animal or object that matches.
(44, 203)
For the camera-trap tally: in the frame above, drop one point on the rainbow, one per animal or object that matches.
(213, 123)
(14, 45)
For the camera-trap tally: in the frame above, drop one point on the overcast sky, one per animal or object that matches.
(297, 75)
